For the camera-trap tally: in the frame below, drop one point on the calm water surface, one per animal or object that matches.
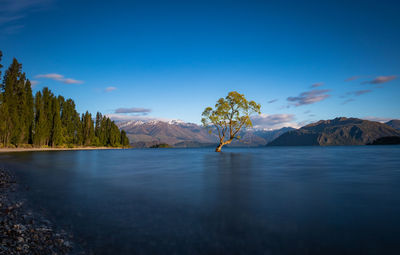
(286, 200)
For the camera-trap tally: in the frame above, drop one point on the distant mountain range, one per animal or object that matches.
(339, 131)
(147, 134)
(182, 134)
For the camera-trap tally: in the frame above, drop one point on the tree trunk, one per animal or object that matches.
(218, 149)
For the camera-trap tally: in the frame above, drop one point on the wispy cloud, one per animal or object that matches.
(348, 101)
(359, 92)
(274, 121)
(58, 77)
(13, 29)
(309, 97)
(124, 117)
(71, 81)
(133, 113)
(272, 101)
(53, 76)
(356, 93)
(352, 78)
(7, 19)
(12, 12)
(381, 79)
(316, 85)
(109, 89)
(378, 119)
(18, 6)
(134, 110)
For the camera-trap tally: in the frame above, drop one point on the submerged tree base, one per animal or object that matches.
(219, 147)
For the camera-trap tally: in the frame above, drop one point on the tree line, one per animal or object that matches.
(48, 120)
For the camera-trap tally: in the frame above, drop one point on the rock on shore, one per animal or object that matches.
(23, 231)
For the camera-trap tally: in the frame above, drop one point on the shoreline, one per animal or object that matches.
(26, 231)
(4, 150)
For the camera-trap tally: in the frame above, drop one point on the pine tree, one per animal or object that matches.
(1, 66)
(29, 113)
(107, 132)
(87, 129)
(115, 135)
(104, 140)
(56, 131)
(12, 98)
(46, 120)
(3, 112)
(124, 139)
(48, 113)
(71, 122)
(40, 121)
(22, 129)
(97, 128)
(61, 102)
(5, 131)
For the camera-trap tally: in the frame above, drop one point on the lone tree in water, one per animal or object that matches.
(229, 116)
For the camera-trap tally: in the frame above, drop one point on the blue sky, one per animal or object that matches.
(302, 60)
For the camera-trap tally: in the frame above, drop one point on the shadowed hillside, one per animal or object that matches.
(394, 124)
(387, 140)
(256, 137)
(339, 131)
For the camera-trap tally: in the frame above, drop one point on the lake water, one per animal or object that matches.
(278, 200)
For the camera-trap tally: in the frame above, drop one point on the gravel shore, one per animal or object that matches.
(23, 231)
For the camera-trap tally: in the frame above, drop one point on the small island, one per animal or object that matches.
(161, 145)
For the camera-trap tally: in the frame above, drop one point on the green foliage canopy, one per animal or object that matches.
(229, 116)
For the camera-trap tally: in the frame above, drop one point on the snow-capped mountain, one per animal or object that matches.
(182, 134)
